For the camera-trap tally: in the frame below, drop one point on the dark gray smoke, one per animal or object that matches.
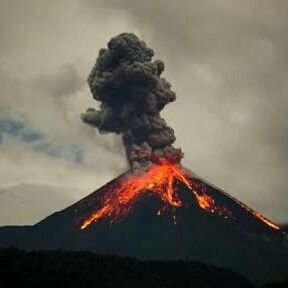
(131, 92)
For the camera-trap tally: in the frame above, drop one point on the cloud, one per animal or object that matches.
(41, 140)
(21, 164)
(64, 82)
(15, 128)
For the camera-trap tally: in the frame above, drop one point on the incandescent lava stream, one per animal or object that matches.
(159, 180)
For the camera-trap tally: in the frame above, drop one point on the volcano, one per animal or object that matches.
(164, 213)
(158, 210)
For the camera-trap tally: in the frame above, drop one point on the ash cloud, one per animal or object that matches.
(132, 93)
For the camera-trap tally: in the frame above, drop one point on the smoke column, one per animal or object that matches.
(132, 93)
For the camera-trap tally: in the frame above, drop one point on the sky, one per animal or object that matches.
(227, 62)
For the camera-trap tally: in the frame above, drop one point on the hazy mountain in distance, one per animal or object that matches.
(27, 204)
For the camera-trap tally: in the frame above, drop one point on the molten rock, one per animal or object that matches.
(160, 180)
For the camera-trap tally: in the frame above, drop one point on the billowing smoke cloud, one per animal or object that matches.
(132, 94)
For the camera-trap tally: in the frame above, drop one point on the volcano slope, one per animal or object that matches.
(145, 228)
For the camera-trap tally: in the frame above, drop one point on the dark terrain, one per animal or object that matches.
(85, 269)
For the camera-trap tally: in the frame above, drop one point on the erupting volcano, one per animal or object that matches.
(160, 180)
(157, 209)
(132, 94)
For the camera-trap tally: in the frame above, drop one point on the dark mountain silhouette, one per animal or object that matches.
(285, 227)
(61, 269)
(84, 269)
(243, 243)
(282, 284)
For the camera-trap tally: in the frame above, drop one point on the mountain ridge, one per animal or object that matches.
(74, 269)
(32, 202)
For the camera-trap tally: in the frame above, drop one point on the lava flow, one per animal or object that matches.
(159, 180)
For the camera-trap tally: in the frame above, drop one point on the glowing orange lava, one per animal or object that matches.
(159, 180)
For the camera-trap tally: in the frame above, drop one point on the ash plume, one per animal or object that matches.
(132, 93)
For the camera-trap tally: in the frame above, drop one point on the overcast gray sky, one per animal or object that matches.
(227, 62)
